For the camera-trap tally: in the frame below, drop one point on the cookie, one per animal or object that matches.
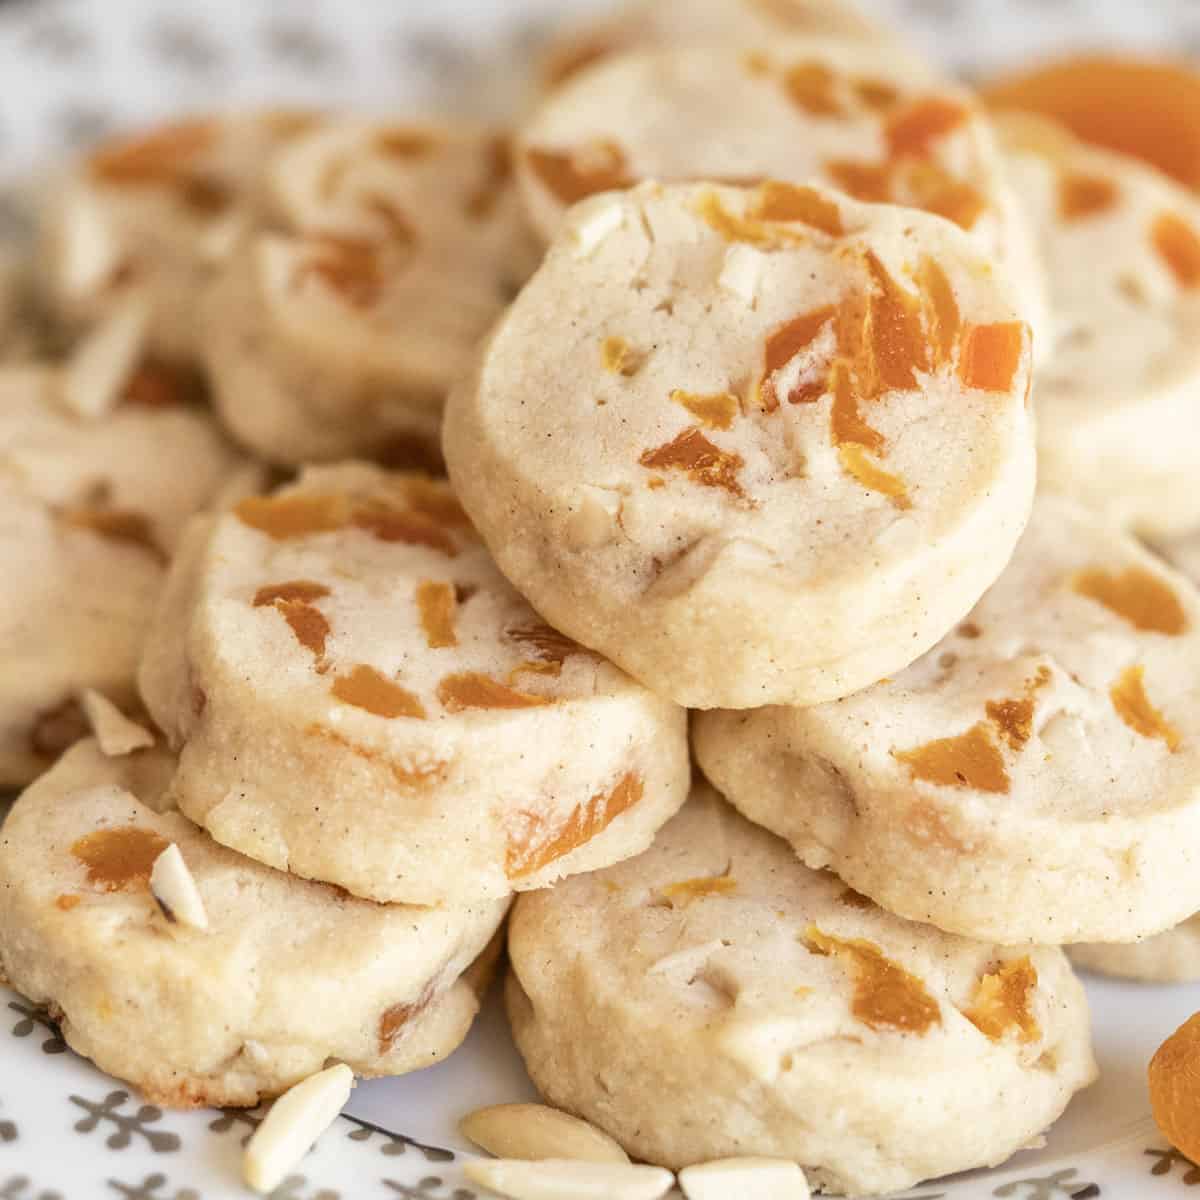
(287, 975)
(850, 115)
(1033, 778)
(755, 446)
(1172, 956)
(90, 510)
(341, 336)
(652, 24)
(1118, 419)
(359, 697)
(716, 998)
(154, 215)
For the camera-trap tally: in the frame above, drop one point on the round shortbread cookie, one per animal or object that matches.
(343, 336)
(287, 975)
(155, 215)
(90, 512)
(1034, 778)
(645, 24)
(361, 698)
(1169, 957)
(848, 115)
(749, 460)
(1117, 408)
(714, 997)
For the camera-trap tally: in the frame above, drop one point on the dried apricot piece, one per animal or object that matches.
(790, 339)
(1104, 99)
(437, 605)
(767, 235)
(1003, 1002)
(119, 859)
(158, 384)
(704, 463)
(992, 354)
(619, 357)
(714, 411)
(305, 590)
(300, 514)
(348, 266)
(1178, 245)
(931, 187)
(309, 624)
(471, 689)
(864, 181)
(154, 157)
(1133, 706)
(687, 890)
(896, 330)
(942, 316)
(812, 87)
(115, 524)
(413, 528)
(789, 202)
(367, 689)
(856, 462)
(846, 422)
(1013, 720)
(914, 129)
(1174, 1078)
(540, 842)
(1081, 195)
(573, 175)
(394, 1020)
(886, 996)
(1137, 596)
(435, 501)
(404, 143)
(876, 94)
(970, 760)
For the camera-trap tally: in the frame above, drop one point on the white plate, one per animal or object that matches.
(72, 71)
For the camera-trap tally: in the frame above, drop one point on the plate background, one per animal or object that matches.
(73, 71)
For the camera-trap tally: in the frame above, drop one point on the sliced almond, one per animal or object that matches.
(745, 1178)
(172, 885)
(599, 219)
(101, 366)
(535, 1132)
(741, 272)
(85, 249)
(559, 1179)
(114, 732)
(293, 1125)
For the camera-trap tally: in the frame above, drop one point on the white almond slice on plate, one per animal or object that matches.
(537, 1132)
(745, 1178)
(115, 733)
(559, 1179)
(172, 885)
(293, 1125)
(100, 367)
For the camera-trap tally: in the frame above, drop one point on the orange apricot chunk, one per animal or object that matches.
(1003, 1002)
(1178, 244)
(886, 996)
(788, 202)
(115, 524)
(704, 463)
(991, 355)
(437, 606)
(896, 331)
(367, 689)
(714, 411)
(1081, 196)
(573, 175)
(1174, 1078)
(1137, 596)
(846, 421)
(915, 129)
(298, 515)
(791, 338)
(541, 842)
(1133, 706)
(153, 157)
(942, 316)
(811, 86)
(471, 689)
(119, 859)
(1148, 108)
(687, 890)
(856, 462)
(970, 760)
(1013, 720)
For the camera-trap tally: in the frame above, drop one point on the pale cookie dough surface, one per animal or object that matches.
(89, 513)
(1118, 396)
(154, 215)
(1034, 778)
(361, 698)
(849, 115)
(341, 335)
(646, 24)
(288, 974)
(1169, 957)
(749, 461)
(716, 998)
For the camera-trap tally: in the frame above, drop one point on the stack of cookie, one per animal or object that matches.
(756, 439)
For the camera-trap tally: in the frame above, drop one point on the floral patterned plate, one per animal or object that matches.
(70, 72)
